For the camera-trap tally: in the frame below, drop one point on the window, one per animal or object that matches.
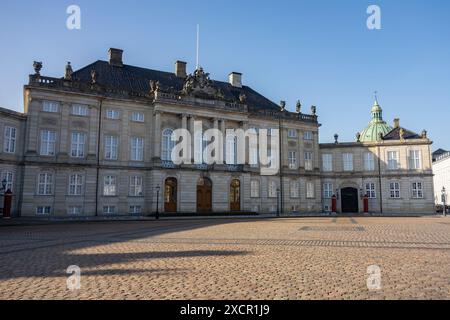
(417, 190)
(200, 145)
(327, 190)
(9, 145)
(45, 184)
(111, 147)
(254, 189)
(272, 189)
(76, 185)
(310, 189)
(109, 186)
(167, 145)
(231, 156)
(307, 135)
(392, 160)
(370, 190)
(253, 156)
(137, 116)
(369, 162)
(48, 140)
(292, 133)
(292, 157)
(327, 162)
(112, 114)
(77, 145)
(137, 149)
(135, 210)
(308, 161)
(394, 189)
(414, 159)
(9, 177)
(79, 110)
(109, 209)
(347, 159)
(74, 210)
(43, 210)
(294, 189)
(50, 106)
(136, 186)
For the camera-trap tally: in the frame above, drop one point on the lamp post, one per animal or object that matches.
(443, 196)
(157, 202)
(7, 200)
(278, 202)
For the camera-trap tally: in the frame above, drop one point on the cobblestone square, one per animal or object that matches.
(295, 258)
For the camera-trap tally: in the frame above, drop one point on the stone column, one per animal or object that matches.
(184, 119)
(157, 134)
(191, 130)
(216, 126)
(244, 126)
(94, 118)
(64, 135)
(224, 133)
(32, 131)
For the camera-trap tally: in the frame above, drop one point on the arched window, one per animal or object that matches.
(170, 195)
(167, 145)
(235, 195)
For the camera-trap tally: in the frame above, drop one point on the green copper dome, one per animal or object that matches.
(376, 126)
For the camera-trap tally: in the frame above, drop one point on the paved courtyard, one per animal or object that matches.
(298, 258)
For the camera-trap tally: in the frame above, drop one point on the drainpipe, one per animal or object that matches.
(379, 180)
(281, 164)
(98, 155)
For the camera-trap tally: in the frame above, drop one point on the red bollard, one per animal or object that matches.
(7, 204)
(333, 204)
(366, 204)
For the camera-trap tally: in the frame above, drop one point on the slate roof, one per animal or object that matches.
(136, 79)
(394, 134)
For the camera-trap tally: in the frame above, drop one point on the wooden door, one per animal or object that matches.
(349, 200)
(204, 195)
(170, 195)
(235, 195)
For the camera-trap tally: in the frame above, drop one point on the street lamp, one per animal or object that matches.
(443, 196)
(4, 183)
(157, 202)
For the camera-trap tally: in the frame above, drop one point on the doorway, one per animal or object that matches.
(204, 195)
(170, 195)
(235, 195)
(349, 200)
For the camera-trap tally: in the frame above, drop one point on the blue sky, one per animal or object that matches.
(320, 52)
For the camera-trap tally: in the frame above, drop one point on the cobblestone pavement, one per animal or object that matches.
(299, 258)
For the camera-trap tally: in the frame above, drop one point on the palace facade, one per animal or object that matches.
(98, 142)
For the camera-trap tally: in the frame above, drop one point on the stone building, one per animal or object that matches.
(98, 142)
(441, 171)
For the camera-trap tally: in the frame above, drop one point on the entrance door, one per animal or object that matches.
(170, 195)
(235, 195)
(204, 195)
(349, 200)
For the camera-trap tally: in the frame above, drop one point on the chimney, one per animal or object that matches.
(235, 79)
(115, 57)
(180, 69)
(396, 123)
